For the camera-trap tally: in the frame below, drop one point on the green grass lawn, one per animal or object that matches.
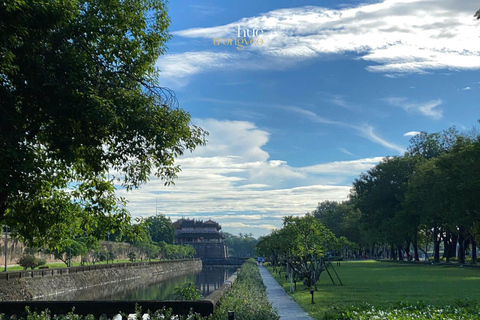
(63, 265)
(383, 283)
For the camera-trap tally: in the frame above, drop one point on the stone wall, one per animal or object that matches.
(210, 250)
(25, 288)
(216, 295)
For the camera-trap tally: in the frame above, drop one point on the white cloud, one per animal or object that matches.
(369, 133)
(346, 167)
(467, 88)
(177, 67)
(396, 36)
(424, 108)
(233, 138)
(411, 133)
(240, 184)
(346, 151)
(247, 226)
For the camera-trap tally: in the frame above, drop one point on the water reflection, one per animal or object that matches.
(156, 288)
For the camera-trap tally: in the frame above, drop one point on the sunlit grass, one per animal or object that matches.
(63, 265)
(382, 283)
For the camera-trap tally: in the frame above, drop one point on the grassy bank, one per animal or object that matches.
(247, 297)
(55, 265)
(384, 284)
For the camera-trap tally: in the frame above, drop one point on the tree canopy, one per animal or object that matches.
(160, 228)
(425, 198)
(81, 110)
(242, 245)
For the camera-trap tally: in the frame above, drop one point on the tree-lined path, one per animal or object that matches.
(286, 306)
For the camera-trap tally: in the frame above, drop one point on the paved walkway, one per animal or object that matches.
(287, 308)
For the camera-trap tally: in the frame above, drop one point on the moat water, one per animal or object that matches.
(207, 280)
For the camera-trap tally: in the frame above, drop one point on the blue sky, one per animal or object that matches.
(331, 89)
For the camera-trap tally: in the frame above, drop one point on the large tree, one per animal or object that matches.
(80, 109)
(160, 228)
(379, 195)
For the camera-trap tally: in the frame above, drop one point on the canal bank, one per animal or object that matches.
(42, 284)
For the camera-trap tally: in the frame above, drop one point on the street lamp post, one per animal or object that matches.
(108, 245)
(6, 246)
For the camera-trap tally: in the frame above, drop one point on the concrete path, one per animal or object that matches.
(287, 308)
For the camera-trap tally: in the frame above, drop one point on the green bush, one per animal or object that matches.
(41, 262)
(99, 256)
(28, 261)
(188, 292)
(111, 256)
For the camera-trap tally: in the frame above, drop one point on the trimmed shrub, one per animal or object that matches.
(28, 261)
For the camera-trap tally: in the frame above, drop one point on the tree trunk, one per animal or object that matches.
(400, 257)
(415, 252)
(407, 251)
(453, 246)
(393, 253)
(290, 275)
(461, 248)
(436, 245)
(446, 245)
(474, 251)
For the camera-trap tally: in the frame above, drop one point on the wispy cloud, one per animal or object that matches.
(178, 67)
(396, 36)
(345, 167)
(338, 100)
(428, 109)
(207, 10)
(366, 131)
(467, 88)
(411, 133)
(346, 151)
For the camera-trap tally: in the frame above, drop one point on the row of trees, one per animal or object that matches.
(404, 206)
(409, 203)
(304, 246)
(152, 238)
(241, 245)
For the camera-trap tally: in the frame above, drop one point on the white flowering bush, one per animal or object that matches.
(460, 310)
(164, 314)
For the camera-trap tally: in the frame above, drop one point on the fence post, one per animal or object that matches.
(231, 315)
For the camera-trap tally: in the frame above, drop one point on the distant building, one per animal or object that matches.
(204, 236)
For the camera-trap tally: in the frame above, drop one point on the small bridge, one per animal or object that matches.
(223, 261)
